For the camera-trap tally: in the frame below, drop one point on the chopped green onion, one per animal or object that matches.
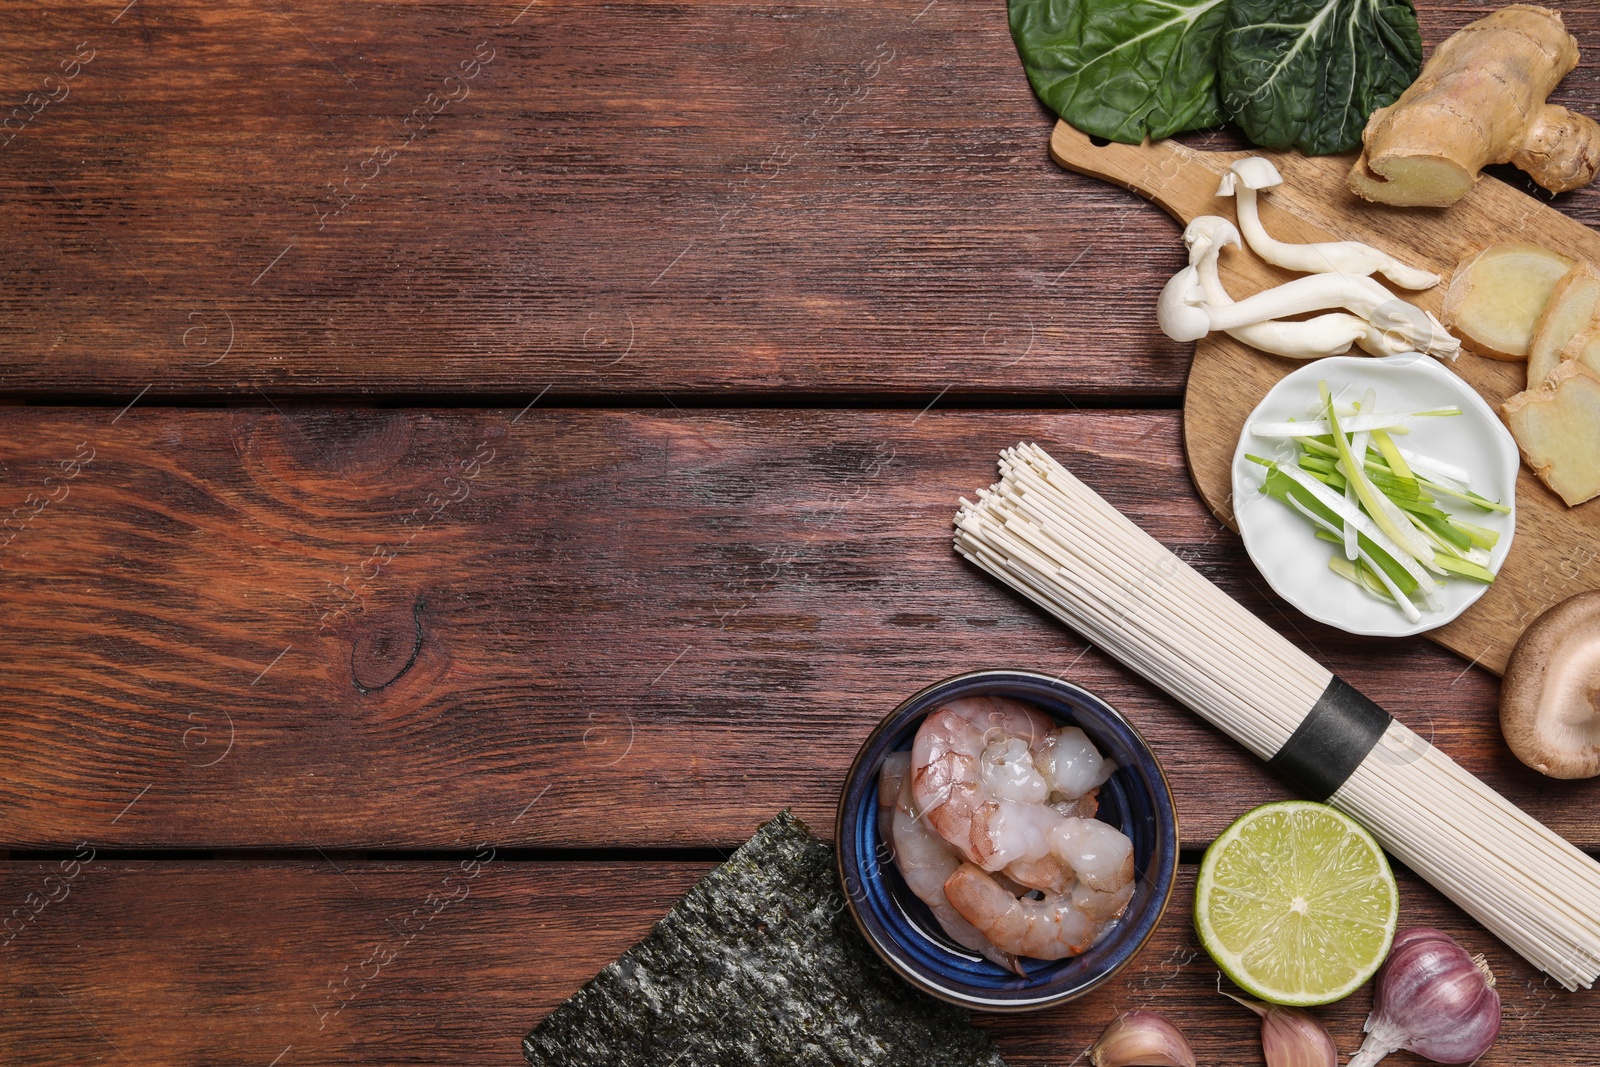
(1382, 509)
(1480, 536)
(1441, 528)
(1418, 507)
(1358, 423)
(1391, 455)
(1281, 484)
(1410, 609)
(1468, 496)
(1324, 447)
(1317, 463)
(1467, 569)
(1377, 505)
(1357, 572)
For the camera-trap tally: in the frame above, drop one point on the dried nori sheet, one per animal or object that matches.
(759, 963)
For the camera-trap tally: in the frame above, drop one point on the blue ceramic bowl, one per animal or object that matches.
(899, 926)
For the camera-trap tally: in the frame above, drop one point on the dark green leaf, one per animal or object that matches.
(1123, 69)
(1308, 73)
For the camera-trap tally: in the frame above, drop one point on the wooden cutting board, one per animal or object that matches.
(1556, 552)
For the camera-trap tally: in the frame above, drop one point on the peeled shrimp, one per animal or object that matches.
(925, 861)
(1071, 764)
(1045, 929)
(1014, 795)
(1085, 850)
(1101, 907)
(1082, 808)
(890, 775)
(1049, 874)
(974, 779)
(1053, 873)
(1101, 854)
(1059, 924)
(984, 772)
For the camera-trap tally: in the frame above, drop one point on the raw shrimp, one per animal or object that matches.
(1054, 874)
(925, 860)
(1046, 929)
(1084, 807)
(1013, 794)
(1101, 854)
(1049, 874)
(1071, 764)
(1101, 907)
(895, 766)
(985, 771)
(975, 782)
(1086, 850)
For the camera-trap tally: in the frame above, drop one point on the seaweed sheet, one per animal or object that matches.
(759, 963)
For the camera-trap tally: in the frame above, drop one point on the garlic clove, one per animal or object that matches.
(1291, 1037)
(1141, 1039)
(1294, 1038)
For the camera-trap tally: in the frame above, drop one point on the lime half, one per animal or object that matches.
(1296, 903)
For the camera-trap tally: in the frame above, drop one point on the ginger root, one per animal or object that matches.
(1496, 297)
(1584, 349)
(1480, 100)
(1557, 427)
(1571, 310)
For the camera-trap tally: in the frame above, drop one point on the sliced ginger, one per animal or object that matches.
(1480, 99)
(1521, 301)
(1557, 428)
(1570, 312)
(1584, 349)
(1496, 297)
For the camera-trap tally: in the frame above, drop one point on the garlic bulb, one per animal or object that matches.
(1431, 998)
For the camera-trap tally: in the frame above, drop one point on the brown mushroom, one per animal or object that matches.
(1550, 696)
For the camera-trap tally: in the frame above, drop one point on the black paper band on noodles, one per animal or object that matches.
(1331, 741)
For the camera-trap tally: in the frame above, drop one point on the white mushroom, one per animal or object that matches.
(1186, 314)
(1254, 173)
(1181, 311)
(1324, 335)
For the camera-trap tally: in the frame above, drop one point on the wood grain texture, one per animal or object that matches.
(180, 965)
(1555, 553)
(720, 197)
(334, 628)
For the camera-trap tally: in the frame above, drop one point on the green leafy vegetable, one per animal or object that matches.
(1308, 73)
(1123, 69)
(1291, 72)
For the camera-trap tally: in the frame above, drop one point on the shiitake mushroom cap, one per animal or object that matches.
(1548, 697)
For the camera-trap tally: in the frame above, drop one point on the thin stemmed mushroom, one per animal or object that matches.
(1548, 697)
(1252, 174)
(1324, 335)
(1185, 314)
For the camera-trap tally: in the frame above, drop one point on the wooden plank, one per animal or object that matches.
(397, 628)
(725, 197)
(304, 964)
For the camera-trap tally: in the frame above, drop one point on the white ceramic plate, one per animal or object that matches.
(1282, 542)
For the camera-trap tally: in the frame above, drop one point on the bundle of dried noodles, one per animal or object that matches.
(1047, 535)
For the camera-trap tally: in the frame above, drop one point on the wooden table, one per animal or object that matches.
(530, 434)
